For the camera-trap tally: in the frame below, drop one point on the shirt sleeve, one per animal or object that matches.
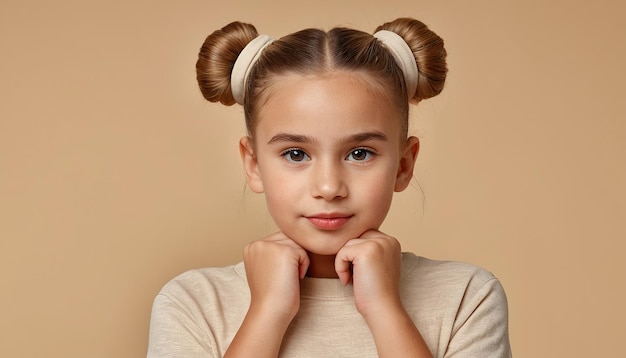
(481, 326)
(174, 332)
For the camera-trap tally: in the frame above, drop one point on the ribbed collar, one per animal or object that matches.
(324, 288)
(332, 288)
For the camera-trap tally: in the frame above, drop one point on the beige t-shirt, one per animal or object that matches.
(460, 310)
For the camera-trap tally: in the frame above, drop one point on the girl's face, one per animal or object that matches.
(328, 152)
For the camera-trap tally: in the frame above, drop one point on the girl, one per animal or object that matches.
(328, 144)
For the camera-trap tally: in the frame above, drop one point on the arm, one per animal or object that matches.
(174, 332)
(481, 326)
(274, 267)
(260, 335)
(395, 333)
(372, 263)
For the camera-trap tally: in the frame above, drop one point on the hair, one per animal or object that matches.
(316, 52)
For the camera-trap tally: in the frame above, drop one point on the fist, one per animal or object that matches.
(274, 266)
(372, 263)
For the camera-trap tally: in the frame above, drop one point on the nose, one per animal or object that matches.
(329, 180)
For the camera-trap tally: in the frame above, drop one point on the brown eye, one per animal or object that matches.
(295, 155)
(359, 155)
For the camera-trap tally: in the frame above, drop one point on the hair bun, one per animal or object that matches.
(429, 52)
(217, 57)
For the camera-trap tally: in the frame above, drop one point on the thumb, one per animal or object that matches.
(303, 264)
(343, 265)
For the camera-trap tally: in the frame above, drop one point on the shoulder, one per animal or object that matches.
(467, 302)
(188, 318)
(445, 273)
(204, 281)
(457, 284)
(208, 275)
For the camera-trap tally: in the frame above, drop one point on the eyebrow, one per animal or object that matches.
(354, 138)
(286, 137)
(363, 137)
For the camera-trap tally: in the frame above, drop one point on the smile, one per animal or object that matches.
(325, 222)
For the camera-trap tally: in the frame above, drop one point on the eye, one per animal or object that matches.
(295, 155)
(360, 155)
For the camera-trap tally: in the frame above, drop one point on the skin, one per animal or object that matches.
(328, 152)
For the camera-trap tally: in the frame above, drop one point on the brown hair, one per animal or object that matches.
(314, 51)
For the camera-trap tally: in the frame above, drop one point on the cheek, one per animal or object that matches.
(377, 193)
(277, 208)
(280, 183)
(281, 192)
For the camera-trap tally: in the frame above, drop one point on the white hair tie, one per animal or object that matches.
(404, 57)
(246, 59)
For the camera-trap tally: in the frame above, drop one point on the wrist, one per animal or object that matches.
(260, 334)
(271, 314)
(382, 311)
(395, 333)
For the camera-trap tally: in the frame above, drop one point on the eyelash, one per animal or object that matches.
(368, 154)
(288, 155)
(288, 152)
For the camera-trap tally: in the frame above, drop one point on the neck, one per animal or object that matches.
(322, 266)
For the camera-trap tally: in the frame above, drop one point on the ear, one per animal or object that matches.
(407, 163)
(250, 165)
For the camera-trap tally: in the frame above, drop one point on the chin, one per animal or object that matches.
(323, 243)
(323, 252)
(330, 250)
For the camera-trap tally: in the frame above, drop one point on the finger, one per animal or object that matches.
(388, 242)
(343, 262)
(300, 255)
(303, 263)
(372, 234)
(344, 271)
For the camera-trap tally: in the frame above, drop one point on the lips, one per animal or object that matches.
(329, 221)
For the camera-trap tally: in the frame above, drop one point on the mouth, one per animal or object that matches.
(328, 221)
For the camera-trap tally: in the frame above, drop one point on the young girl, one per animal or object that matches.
(327, 144)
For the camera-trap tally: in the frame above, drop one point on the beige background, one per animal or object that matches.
(115, 175)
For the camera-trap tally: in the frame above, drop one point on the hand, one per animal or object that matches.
(372, 264)
(274, 267)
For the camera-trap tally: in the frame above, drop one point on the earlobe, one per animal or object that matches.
(407, 164)
(250, 165)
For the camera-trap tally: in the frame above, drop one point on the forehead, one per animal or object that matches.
(330, 104)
